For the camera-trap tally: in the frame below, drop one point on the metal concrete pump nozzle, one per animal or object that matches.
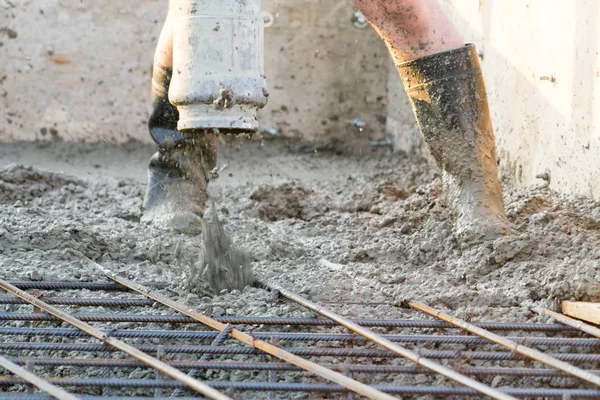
(214, 86)
(218, 64)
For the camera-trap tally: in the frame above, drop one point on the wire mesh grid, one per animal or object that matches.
(63, 355)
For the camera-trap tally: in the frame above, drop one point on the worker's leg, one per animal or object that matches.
(164, 48)
(443, 80)
(411, 28)
(178, 173)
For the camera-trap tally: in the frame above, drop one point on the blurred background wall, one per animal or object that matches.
(79, 70)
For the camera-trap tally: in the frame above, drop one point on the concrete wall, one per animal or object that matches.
(80, 70)
(541, 64)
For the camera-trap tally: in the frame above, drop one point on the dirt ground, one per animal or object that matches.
(341, 230)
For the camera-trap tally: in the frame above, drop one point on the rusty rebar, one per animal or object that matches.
(82, 302)
(258, 366)
(300, 336)
(107, 286)
(117, 344)
(417, 358)
(509, 344)
(315, 368)
(29, 377)
(572, 322)
(317, 387)
(248, 320)
(300, 351)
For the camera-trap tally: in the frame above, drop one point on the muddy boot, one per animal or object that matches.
(178, 173)
(450, 103)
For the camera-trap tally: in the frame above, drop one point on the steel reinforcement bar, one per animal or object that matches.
(268, 348)
(106, 286)
(316, 387)
(66, 301)
(23, 396)
(574, 323)
(221, 337)
(258, 366)
(417, 358)
(511, 345)
(300, 351)
(174, 373)
(300, 336)
(25, 376)
(182, 319)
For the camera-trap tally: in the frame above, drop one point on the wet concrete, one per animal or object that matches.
(380, 217)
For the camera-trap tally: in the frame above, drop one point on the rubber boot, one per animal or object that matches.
(178, 173)
(449, 100)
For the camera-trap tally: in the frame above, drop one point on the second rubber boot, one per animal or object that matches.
(449, 100)
(178, 173)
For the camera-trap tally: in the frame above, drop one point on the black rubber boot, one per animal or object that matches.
(178, 173)
(450, 104)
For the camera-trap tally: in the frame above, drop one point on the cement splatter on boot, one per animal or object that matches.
(222, 265)
(450, 103)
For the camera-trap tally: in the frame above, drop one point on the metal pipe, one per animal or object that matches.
(406, 353)
(247, 320)
(316, 387)
(218, 53)
(108, 286)
(30, 377)
(315, 368)
(301, 336)
(247, 366)
(509, 344)
(574, 323)
(300, 351)
(117, 344)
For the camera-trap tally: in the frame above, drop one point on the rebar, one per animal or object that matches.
(247, 320)
(417, 358)
(509, 344)
(457, 358)
(21, 396)
(117, 344)
(107, 286)
(106, 375)
(313, 367)
(91, 302)
(221, 337)
(315, 387)
(301, 336)
(248, 366)
(574, 323)
(83, 302)
(301, 351)
(26, 376)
